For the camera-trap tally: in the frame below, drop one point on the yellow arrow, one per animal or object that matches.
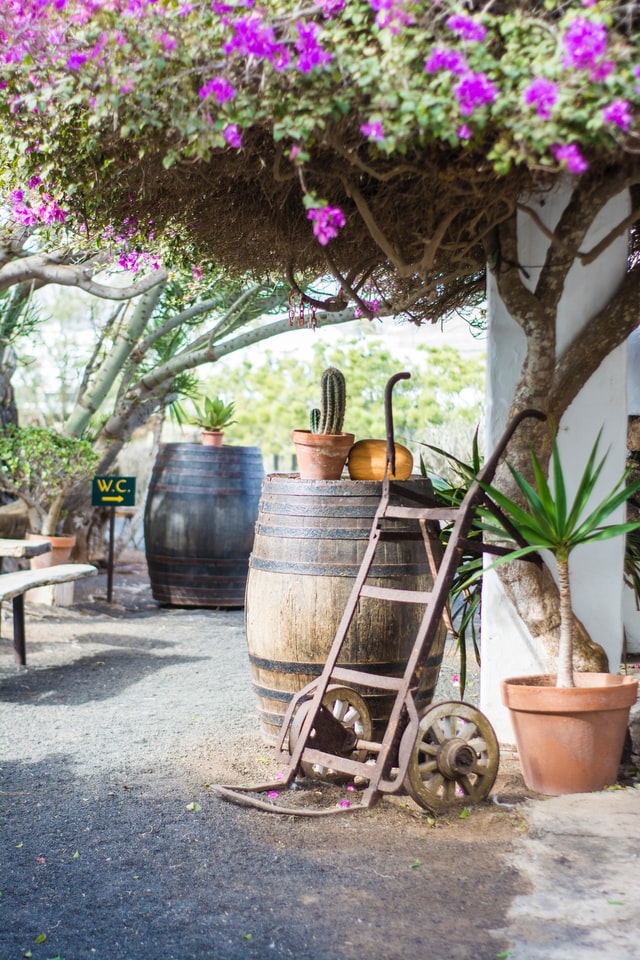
(116, 499)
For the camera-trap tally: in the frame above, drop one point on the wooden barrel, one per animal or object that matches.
(199, 521)
(310, 539)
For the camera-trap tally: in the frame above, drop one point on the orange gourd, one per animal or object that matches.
(367, 460)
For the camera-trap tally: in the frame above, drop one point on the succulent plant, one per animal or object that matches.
(330, 417)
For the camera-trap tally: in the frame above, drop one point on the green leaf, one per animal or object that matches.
(464, 813)
(194, 806)
(415, 864)
(40, 938)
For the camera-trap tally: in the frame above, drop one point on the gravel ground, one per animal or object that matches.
(115, 847)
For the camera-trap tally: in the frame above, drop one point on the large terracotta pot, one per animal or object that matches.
(61, 548)
(570, 740)
(321, 456)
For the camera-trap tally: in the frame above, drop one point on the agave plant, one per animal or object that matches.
(213, 414)
(547, 521)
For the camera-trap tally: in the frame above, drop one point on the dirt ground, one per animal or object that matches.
(115, 845)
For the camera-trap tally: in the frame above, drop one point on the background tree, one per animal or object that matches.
(275, 393)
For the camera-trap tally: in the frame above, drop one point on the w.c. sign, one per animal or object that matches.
(113, 492)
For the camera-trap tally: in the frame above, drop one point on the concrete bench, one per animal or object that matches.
(13, 586)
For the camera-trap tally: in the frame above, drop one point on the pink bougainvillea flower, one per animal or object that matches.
(391, 15)
(253, 38)
(373, 131)
(76, 60)
(218, 87)
(326, 222)
(584, 43)
(466, 28)
(618, 113)
(443, 59)
(310, 52)
(331, 7)
(464, 132)
(232, 135)
(273, 794)
(474, 90)
(542, 94)
(569, 154)
(345, 803)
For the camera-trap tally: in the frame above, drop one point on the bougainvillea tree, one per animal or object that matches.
(392, 144)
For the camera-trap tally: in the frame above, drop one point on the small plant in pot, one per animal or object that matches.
(569, 727)
(213, 416)
(323, 449)
(40, 467)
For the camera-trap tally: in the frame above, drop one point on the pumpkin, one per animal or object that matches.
(368, 458)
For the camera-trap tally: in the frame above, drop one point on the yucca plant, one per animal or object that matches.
(465, 595)
(547, 521)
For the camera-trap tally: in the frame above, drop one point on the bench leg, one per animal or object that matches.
(19, 639)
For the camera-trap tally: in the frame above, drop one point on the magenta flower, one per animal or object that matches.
(252, 37)
(542, 94)
(310, 52)
(331, 7)
(373, 131)
(391, 14)
(326, 222)
(443, 59)
(232, 135)
(474, 90)
(618, 113)
(584, 43)
(76, 60)
(466, 28)
(570, 155)
(273, 795)
(464, 132)
(220, 88)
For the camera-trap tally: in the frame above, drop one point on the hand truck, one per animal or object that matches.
(443, 756)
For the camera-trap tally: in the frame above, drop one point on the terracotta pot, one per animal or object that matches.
(321, 456)
(212, 438)
(60, 552)
(570, 740)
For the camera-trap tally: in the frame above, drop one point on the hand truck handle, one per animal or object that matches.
(390, 466)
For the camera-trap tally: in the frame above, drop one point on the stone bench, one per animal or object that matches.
(13, 586)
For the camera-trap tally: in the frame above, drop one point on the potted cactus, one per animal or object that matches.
(323, 449)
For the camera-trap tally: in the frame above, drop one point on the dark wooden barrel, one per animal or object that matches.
(310, 539)
(199, 521)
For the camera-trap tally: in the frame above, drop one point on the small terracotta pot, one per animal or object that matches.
(61, 548)
(321, 456)
(570, 740)
(212, 438)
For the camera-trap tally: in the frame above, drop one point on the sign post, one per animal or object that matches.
(112, 492)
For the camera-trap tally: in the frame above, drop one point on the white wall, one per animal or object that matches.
(596, 571)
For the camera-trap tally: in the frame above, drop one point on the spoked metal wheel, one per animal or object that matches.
(342, 720)
(453, 761)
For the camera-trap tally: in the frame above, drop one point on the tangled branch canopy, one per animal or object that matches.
(382, 141)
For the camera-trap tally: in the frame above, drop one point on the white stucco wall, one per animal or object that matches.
(596, 571)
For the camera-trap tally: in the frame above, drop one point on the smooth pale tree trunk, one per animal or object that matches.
(508, 648)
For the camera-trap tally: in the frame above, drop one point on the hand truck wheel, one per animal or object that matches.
(347, 707)
(453, 761)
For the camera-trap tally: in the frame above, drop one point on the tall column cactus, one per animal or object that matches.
(330, 418)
